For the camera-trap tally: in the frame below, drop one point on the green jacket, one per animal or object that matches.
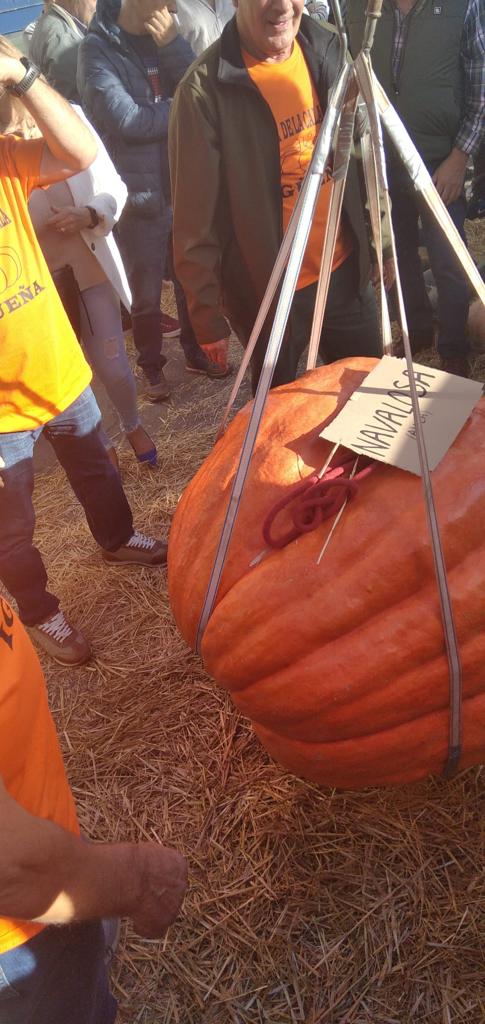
(53, 47)
(428, 90)
(226, 187)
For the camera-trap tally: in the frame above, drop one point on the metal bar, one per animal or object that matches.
(314, 175)
(366, 80)
(342, 150)
(423, 184)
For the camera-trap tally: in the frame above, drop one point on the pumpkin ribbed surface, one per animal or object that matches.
(340, 666)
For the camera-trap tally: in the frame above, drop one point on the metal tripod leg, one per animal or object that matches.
(365, 79)
(302, 230)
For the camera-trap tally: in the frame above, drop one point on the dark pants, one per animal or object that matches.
(74, 436)
(58, 977)
(451, 283)
(350, 325)
(144, 244)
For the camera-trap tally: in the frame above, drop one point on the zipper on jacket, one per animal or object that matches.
(395, 79)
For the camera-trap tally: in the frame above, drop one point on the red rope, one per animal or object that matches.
(316, 499)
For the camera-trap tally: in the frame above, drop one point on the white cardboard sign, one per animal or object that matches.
(378, 420)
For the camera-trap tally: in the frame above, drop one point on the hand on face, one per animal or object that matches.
(161, 26)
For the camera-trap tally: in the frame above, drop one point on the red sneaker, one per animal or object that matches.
(170, 326)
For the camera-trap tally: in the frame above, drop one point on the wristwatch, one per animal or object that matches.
(94, 216)
(31, 73)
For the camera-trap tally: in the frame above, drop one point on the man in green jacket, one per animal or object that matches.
(242, 130)
(55, 42)
(429, 57)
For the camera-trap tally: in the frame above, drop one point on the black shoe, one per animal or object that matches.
(458, 365)
(419, 340)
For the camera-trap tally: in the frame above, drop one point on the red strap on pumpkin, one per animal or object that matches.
(315, 499)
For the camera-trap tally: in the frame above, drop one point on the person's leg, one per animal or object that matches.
(74, 436)
(193, 353)
(22, 570)
(419, 314)
(143, 245)
(351, 323)
(296, 338)
(58, 977)
(104, 345)
(451, 283)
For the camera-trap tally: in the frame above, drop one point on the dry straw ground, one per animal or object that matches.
(304, 904)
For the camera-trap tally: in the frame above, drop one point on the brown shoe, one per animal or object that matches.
(458, 365)
(157, 389)
(58, 638)
(140, 550)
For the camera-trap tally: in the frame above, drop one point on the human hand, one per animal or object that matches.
(11, 70)
(160, 876)
(217, 351)
(389, 273)
(70, 220)
(449, 177)
(161, 27)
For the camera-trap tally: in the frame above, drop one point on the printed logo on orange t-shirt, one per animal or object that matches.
(288, 89)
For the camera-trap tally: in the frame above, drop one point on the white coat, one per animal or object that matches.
(101, 187)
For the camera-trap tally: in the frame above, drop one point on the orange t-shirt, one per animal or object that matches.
(289, 91)
(42, 367)
(30, 759)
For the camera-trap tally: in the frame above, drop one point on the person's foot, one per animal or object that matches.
(209, 369)
(58, 638)
(156, 388)
(458, 365)
(142, 445)
(139, 550)
(170, 326)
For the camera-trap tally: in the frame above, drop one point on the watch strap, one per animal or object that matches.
(32, 72)
(94, 216)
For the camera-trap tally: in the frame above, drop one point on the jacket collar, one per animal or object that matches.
(105, 21)
(232, 69)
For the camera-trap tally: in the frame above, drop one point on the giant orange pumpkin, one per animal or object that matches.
(340, 665)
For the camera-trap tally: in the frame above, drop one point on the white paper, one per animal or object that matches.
(377, 421)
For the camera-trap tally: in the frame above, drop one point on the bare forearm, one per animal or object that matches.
(52, 876)
(68, 139)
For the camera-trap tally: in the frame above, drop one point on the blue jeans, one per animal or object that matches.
(451, 283)
(104, 346)
(58, 977)
(144, 246)
(74, 436)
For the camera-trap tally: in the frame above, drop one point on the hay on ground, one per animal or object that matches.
(304, 905)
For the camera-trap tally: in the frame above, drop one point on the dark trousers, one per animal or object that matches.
(144, 243)
(74, 436)
(350, 325)
(451, 283)
(58, 977)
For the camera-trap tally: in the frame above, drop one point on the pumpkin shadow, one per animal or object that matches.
(310, 445)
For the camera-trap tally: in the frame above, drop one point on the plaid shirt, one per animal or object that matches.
(472, 56)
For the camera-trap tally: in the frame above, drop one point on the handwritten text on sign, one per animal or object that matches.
(378, 419)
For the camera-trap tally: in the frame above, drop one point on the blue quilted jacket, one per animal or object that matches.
(117, 97)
